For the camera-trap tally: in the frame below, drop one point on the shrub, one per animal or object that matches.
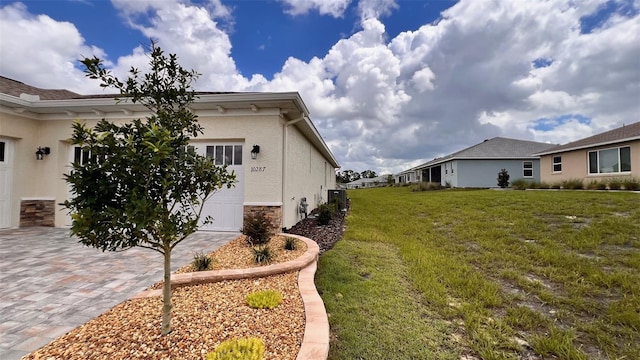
(631, 184)
(201, 262)
(573, 184)
(257, 228)
(325, 213)
(596, 185)
(540, 185)
(521, 184)
(267, 299)
(290, 243)
(425, 186)
(247, 349)
(262, 254)
(503, 178)
(615, 184)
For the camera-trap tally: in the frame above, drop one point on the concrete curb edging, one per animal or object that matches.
(315, 343)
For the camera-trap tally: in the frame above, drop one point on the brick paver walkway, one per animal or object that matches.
(50, 283)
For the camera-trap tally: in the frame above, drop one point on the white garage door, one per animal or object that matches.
(225, 206)
(6, 176)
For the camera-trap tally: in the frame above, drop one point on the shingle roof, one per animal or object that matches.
(494, 148)
(16, 88)
(624, 133)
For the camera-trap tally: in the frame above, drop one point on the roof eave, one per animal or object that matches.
(574, 148)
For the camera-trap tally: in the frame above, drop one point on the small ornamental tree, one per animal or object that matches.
(503, 178)
(143, 186)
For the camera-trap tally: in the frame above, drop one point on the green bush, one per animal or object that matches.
(521, 184)
(262, 254)
(290, 243)
(572, 184)
(267, 299)
(239, 349)
(325, 214)
(596, 185)
(201, 262)
(540, 185)
(257, 228)
(631, 184)
(503, 178)
(615, 184)
(425, 186)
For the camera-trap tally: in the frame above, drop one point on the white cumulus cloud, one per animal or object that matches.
(486, 68)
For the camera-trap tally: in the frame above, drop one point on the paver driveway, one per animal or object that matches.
(50, 283)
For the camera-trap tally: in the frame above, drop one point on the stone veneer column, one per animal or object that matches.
(37, 212)
(273, 213)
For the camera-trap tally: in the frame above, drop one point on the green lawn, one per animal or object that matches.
(491, 274)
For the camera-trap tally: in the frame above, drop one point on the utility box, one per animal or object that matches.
(338, 195)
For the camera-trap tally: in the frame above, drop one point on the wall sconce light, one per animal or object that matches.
(42, 151)
(255, 151)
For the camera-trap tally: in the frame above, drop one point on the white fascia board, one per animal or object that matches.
(319, 141)
(16, 102)
(440, 162)
(588, 146)
(253, 97)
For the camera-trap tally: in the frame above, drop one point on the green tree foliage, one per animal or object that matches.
(142, 185)
(503, 178)
(368, 174)
(347, 176)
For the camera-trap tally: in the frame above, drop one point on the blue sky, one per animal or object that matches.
(263, 35)
(390, 83)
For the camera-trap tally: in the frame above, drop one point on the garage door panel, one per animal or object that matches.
(6, 177)
(225, 206)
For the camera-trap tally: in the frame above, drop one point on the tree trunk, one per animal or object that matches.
(166, 293)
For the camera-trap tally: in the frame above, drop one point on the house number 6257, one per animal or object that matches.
(258, 168)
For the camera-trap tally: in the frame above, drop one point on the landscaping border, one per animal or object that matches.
(315, 343)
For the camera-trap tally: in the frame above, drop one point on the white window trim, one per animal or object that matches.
(553, 164)
(589, 173)
(525, 169)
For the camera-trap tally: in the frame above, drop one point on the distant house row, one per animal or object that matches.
(615, 153)
(363, 183)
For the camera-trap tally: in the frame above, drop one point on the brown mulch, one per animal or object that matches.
(204, 315)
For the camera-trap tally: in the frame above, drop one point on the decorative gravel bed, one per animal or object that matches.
(236, 254)
(326, 236)
(203, 316)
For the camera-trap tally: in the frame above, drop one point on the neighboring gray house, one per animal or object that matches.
(378, 181)
(406, 177)
(478, 165)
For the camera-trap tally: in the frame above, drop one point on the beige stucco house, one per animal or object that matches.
(612, 154)
(293, 159)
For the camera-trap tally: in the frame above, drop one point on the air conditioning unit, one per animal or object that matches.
(338, 195)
